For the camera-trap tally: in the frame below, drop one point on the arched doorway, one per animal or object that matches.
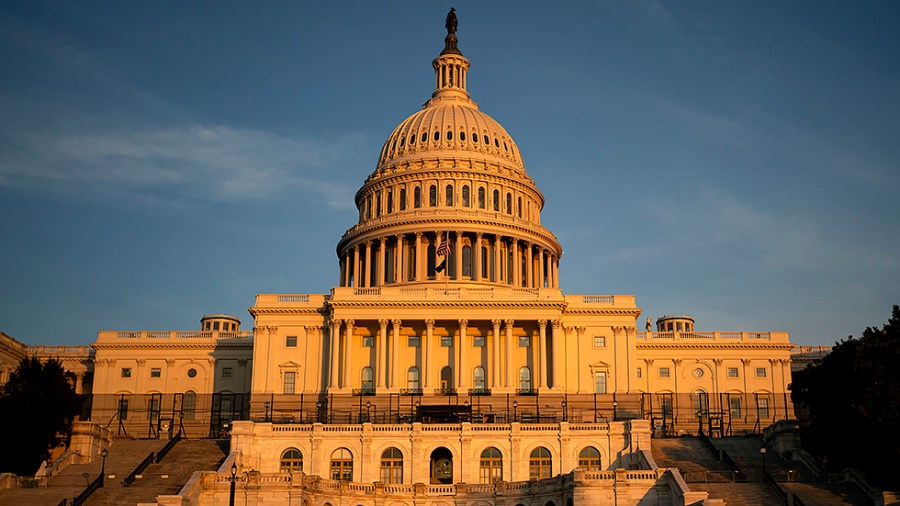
(441, 466)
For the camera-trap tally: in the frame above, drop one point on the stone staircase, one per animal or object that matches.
(124, 455)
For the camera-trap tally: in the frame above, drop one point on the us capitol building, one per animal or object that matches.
(447, 366)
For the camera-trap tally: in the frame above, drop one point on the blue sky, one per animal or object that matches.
(736, 161)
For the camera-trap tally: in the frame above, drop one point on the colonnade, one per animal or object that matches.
(475, 256)
(393, 359)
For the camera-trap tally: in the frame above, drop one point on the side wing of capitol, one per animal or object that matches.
(447, 364)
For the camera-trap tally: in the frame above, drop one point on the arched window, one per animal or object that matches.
(417, 197)
(403, 199)
(378, 204)
(424, 137)
(701, 403)
(446, 379)
(589, 459)
(465, 196)
(430, 261)
(342, 465)
(525, 379)
(478, 381)
(368, 379)
(390, 201)
(448, 200)
(392, 466)
(291, 461)
(491, 465)
(539, 464)
(497, 201)
(412, 378)
(481, 198)
(368, 207)
(467, 260)
(518, 206)
(189, 405)
(432, 196)
(509, 203)
(484, 262)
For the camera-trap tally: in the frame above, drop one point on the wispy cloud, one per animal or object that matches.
(212, 163)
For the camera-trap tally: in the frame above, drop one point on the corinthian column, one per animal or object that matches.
(529, 266)
(334, 338)
(476, 250)
(495, 352)
(395, 340)
(348, 352)
(557, 354)
(507, 368)
(458, 259)
(542, 350)
(381, 353)
(382, 260)
(368, 281)
(516, 265)
(428, 352)
(463, 374)
(418, 263)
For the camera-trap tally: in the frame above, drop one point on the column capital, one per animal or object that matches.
(616, 329)
(496, 322)
(648, 361)
(509, 323)
(383, 323)
(717, 361)
(458, 233)
(418, 235)
(463, 323)
(542, 324)
(396, 323)
(349, 323)
(630, 331)
(580, 330)
(429, 323)
(170, 362)
(745, 361)
(676, 361)
(556, 323)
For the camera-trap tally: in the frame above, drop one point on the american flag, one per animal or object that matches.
(443, 248)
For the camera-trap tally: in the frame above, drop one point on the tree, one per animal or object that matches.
(37, 406)
(853, 398)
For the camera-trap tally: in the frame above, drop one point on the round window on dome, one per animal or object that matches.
(474, 137)
(462, 136)
(424, 136)
(437, 136)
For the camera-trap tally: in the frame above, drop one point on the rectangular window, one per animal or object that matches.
(600, 382)
(227, 372)
(599, 342)
(663, 372)
(478, 341)
(126, 372)
(524, 341)
(760, 372)
(638, 372)
(155, 372)
(412, 341)
(665, 405)
(735, 404)
(123, 409)
(369, 341)
(763, 405)
(446, 341)
(153, 407)
(290, 342)
(732, 372)
(290, 378)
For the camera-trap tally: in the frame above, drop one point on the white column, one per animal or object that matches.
(427, 353)
(381, 353)
(507, 360)
(334, 338)
(495, 352)
(348, 352)
(476, 275)
(540, 283)
(516, 265)
(497, 267)
(458, 249)
(462, 347)
(382, 260)
(529, 266)
(542, 353)
(395, 340)
(418, 264)
(368, 279)
(357, 272)
(557, 354)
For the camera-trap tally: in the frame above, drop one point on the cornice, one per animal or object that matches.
(256, 310)
(448, 305)
(631, 311)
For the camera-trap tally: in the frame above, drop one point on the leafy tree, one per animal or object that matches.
(853, 398)
(37, 406)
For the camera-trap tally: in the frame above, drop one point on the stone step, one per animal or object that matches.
(829, 493)
(689, 455)
(739, 494)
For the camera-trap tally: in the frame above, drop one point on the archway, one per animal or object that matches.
(441, 466)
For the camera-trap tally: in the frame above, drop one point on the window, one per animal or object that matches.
(227, 372)
(701, 403)
(465, 196)
(437, 136)
(462, 136)
(342, 465)
(481, 198)
(497, 201)
(126, 372)
(215, 325)
(153, 406)
(519, 207)
(446, 379)
(734, 403)
(290, 342)
(762, 405)
(155, 372)
(665, 404)
(446, 341)
(639, 372)
(448, 201)
(732, 372)
(539, 464)
(403, 199)
(412, 341)
(392, 466)
(368, 379)
(417, 197)
(424, 137)
(478, 379)
(600, 382)
(378, 204)
(589, 459)
(524, 341)
(525, 379)
(123, 408)
(760, 372)
(467, 261)
(291, 461)
(189, 405)
(192, 373)
(663, 372)
(432, 196)
(599, 341)
(412, 378)
(491, 465)
(509, 203)
(478, 341)
(390, 201)
(290, 378)
(369, 341)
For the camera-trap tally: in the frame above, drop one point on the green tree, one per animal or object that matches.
(37, 406)
(853, 398)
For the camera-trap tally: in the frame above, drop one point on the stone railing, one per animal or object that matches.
(722, 337)
(60, 351)
(447, 293)
(105, 335)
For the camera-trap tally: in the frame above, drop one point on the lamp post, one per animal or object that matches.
(515, 411)
(615, 412)
(266, 404)
(762, 451)
(565, 410)
(233, 480)
(368, 411)
(103, 453)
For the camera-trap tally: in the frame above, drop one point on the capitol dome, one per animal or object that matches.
(449, 199)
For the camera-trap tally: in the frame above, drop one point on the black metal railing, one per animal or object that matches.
(526, 391)
(357, 392)
(797, 500)
(165, 449)
(90, 489)
(414, 392)
(444, 391)
(149, 459)
(770, 481)
(480, 391)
